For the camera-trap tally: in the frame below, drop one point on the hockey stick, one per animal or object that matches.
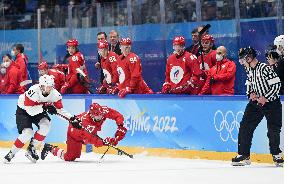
(119, 151)
(204, 29)
(81, 76)
(26, 82)
(101, 159)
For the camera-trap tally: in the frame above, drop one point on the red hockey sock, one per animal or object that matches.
(58, 152)
(18, 143)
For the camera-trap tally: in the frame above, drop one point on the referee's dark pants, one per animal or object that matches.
(252, 117)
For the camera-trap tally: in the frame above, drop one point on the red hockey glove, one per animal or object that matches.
(112, 89)
(64, 88)
(119, 135)
(166, 88)
(111, 141)
(123, 92)
(102, 89)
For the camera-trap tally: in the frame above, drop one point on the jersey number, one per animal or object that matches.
(133, 60)
(112, 59)
(31, 93)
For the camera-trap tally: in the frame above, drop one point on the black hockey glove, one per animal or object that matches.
(50, 109)
(75, 122)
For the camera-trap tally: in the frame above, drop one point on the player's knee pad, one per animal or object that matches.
(44, 126)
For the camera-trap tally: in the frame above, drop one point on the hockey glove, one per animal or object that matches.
(119, 135)
(102, 89)
(166, 88)
(64, 88)
(75, 122)
(50, 109)
(123, 92)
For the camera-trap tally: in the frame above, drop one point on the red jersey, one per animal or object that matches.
(130, 74)
(180, 69)
(59, 78)
(21, 62)
(76, 61)
(2, 83)
(109, 67)
(224, 79)
(209, 59)
(12, 80)
(93, 126)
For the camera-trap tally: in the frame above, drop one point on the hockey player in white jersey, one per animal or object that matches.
(33, 108)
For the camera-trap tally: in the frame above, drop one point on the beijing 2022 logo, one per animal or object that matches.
(227, 124)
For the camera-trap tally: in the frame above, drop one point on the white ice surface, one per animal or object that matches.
(140, 170)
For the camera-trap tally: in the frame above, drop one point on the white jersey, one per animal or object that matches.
(33, 101)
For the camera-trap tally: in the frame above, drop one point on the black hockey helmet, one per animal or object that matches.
(247, 51)
(271, 51)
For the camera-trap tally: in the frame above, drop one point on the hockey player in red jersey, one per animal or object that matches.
(92, 120)
(206, 61)
(33, 108)
(12, 78)
(58, 76)
(180, 69)
(77, 77)
(130, 71)
(108, 62)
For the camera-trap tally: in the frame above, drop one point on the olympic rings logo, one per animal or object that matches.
(228, 124)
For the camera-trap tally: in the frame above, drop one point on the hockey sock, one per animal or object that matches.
(44, 126)
(22, 140)
(58, 152)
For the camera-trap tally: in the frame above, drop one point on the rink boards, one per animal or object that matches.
(161, 125)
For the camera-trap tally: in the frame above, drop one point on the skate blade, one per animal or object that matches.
(5, 161)
(243, 163)
(30, 158)
(279, 164)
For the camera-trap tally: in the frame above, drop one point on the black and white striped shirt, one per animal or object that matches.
(263, 81)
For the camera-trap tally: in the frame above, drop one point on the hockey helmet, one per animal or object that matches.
(72, 42)
(271, 51)
(125, 41)
(42, 66)
(208, 37)
(279, 40)
(102, 44)
(96, 112)
(46, 80)
(179, 40)
(243, 52)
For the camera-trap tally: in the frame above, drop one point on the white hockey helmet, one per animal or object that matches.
(46, 80)
(279, 40)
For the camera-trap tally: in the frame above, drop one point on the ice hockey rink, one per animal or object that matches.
(140, 170)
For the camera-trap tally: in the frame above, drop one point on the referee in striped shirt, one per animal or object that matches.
(263, 87)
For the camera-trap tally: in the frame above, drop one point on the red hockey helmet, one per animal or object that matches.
(125, 41)
(102, 44)
(179, 40)
(208, 37)
(72, 42)
(42, 66)
(96, 111)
